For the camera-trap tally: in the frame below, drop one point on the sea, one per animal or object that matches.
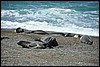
(80, 17)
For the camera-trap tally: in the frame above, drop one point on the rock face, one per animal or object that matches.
(19, 30)
(86, 39)
(48, 41)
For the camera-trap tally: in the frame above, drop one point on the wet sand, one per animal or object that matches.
(69, 52)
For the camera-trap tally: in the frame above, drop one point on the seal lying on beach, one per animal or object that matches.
(39, 32)
(24, 44)
(27, 44)
(2, 37)
(69, 35)
(19, 30)
(42, 42)
(86, 39)
(56, 33)
(48, 41)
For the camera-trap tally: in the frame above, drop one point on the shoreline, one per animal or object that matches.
(47, 31)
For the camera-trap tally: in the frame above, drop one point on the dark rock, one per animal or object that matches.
(86, 39)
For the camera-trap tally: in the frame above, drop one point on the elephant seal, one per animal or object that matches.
(24, 44)
(48, 41)
(57, 33)
(19, 30)
(86, 39)
(35, 44)
(69, 35)
(39, 32)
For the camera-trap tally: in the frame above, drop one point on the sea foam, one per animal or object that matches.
(52, 19)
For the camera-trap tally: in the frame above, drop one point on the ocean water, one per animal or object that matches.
(80, 17)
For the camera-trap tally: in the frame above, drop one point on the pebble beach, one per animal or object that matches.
(69, 52)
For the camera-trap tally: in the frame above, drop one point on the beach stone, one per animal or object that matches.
(48, 41)
(86, 39)
(19, 30)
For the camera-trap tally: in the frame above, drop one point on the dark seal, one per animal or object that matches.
(19, 30)
(24, 44)
(39, 32)
(48, 41)
(34, 44)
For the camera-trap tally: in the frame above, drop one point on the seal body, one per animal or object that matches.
(24, 44)
(48, 41)
(34, 44)
(19, 30)
(69, 35)
(39, 32)
(86, 39)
